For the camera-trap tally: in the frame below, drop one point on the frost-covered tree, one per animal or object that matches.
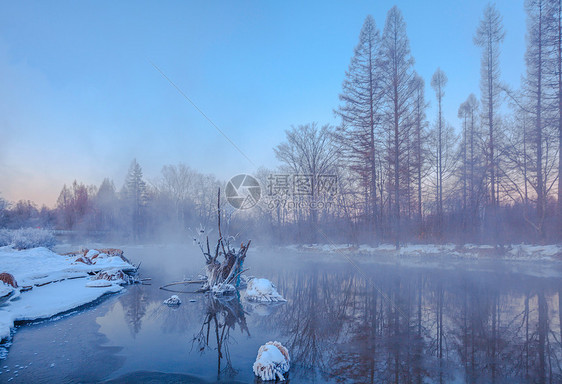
(65, 209)
(361, 114)
(24, 213)
(74, 206)
(3, 212)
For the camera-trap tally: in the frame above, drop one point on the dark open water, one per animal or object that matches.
(381, 323)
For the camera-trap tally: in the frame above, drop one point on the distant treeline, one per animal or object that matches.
(137, 211)
(387, 172)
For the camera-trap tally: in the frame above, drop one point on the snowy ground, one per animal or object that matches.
(517, 252)
(58, 283)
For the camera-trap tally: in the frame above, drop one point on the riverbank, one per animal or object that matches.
(515, 252)
(47, 284)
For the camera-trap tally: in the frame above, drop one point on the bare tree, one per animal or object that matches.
(472, 152)
(361, 113)
(398, 75)
(419, 137)
(438, 83)
(488, 36)
(309, 152)
(557, 11)
(177, 182)
(540, 94)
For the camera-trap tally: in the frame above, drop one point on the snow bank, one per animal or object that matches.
(272, 362)
(51, 283)
(262, 290)
(470, 251)
(40, 265)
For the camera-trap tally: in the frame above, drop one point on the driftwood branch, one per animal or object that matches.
(223, 270)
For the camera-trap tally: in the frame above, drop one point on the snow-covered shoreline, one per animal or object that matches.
(515, 252)
(49, 284)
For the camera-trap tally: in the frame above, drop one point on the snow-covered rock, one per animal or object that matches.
(92, 253)
(8, 278)
(172, 300)
(262, 290)
(272, 362)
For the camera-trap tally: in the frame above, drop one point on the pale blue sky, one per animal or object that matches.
(79, 98)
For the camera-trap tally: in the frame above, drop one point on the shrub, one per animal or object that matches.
(26, 238)
(5, 237)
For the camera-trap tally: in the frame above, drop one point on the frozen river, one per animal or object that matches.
(372, 322)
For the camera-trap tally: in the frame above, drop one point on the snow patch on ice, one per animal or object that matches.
(172, 300)
(99, 283)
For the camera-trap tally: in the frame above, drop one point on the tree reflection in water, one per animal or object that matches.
(134, 305)
(405, 325)
(221, 316)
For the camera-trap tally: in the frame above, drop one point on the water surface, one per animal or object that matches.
(380, 322)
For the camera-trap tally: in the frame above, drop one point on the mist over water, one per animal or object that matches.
(383, 322)
(395, 168)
